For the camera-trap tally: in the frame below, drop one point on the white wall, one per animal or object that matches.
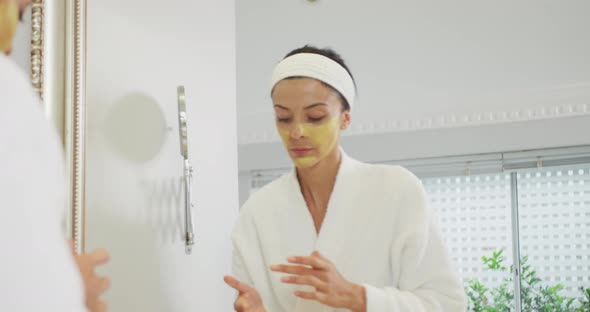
(138, 52)
(452, 68)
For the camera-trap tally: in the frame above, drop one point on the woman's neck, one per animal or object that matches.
(317, 182)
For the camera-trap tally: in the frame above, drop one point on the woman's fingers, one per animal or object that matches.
(248, 300)
(101, 307)
(293, 269)
(321, 256)
(99, 256)
(104, 284)
(72, 247)
(305, 280)
(235, 284)
(317, 296)
(312, 261)
(242, 304)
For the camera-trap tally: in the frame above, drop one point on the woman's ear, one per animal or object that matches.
(345, 120)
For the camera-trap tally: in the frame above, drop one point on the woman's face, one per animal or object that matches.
(9, 14)
(309, 119)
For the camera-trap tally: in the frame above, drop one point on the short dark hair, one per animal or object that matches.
(334, 56)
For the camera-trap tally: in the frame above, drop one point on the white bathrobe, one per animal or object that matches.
(379, 232)
(37, 271)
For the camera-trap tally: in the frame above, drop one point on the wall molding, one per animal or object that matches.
(569, 101)
(490, 138)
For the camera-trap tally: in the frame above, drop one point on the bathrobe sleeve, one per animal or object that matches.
(239, 268)
(38, 272)
(246, 251)
(426, 278)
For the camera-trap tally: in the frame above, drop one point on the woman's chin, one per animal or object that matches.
(304, 162)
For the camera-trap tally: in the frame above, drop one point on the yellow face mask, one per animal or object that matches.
(322, 137)
(8, 23)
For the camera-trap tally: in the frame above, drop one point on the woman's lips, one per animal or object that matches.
(301, 151)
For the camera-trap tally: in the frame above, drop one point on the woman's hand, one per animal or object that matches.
(248, 298)
(331, 288)
(94, 285)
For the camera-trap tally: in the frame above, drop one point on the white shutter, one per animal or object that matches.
(260, 178)
(474, 216)
(554, 214)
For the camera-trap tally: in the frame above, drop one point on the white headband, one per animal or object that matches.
(318, 67)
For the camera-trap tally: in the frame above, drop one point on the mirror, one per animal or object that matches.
(457, 93)
(464, 95)
(94, 54)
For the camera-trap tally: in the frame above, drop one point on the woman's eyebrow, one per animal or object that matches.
(315, 105)
(281, 107)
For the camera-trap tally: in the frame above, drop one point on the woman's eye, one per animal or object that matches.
(315, 119)
(283, 120)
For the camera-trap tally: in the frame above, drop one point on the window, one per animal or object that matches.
(554, 217)
(474, 217)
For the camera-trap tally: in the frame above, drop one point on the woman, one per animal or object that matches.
(336, 234)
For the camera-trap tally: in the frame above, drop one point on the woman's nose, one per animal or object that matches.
(297, 131)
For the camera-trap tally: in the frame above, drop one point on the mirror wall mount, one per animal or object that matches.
(188, 171)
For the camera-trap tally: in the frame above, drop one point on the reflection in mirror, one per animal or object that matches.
(462, 101)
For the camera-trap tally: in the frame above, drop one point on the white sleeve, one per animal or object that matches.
(247, 256)
(427, 281)
(239, 268)
(38, 272)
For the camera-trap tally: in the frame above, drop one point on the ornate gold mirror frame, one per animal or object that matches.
(58, 74)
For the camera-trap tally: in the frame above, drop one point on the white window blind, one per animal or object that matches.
(260, 178)
(475, 220)
(554, 214)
